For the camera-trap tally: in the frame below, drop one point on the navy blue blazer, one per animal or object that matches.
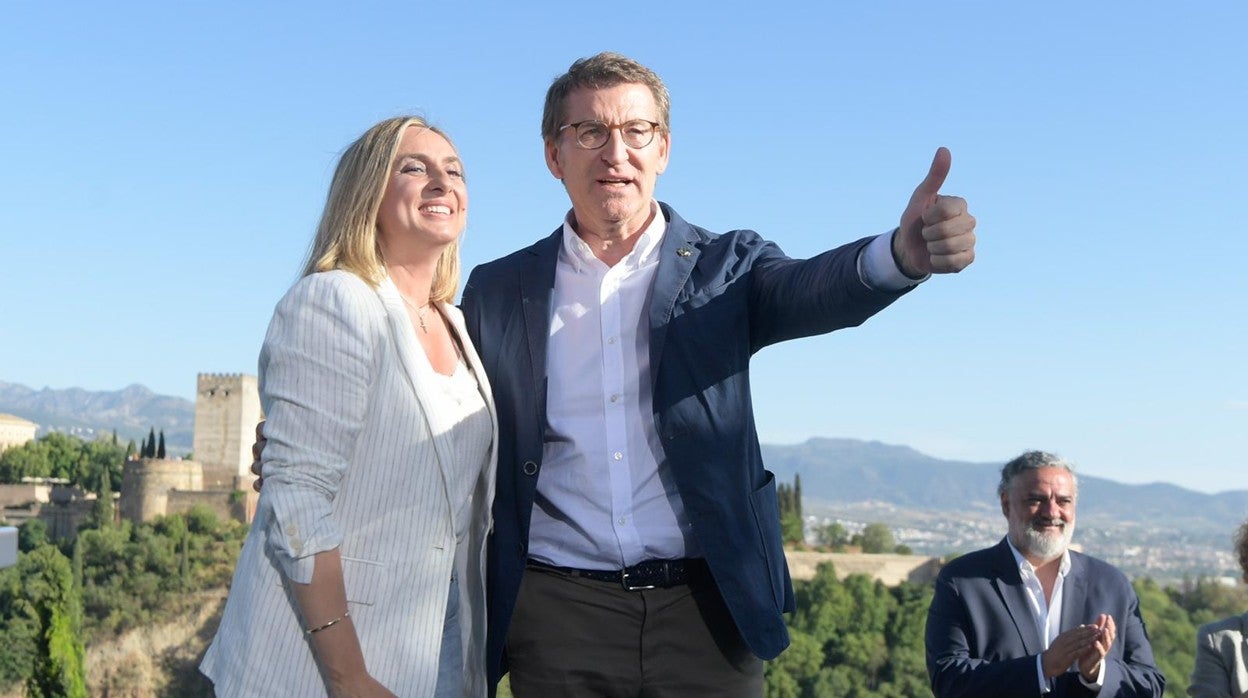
(717, 299)
(982, 639)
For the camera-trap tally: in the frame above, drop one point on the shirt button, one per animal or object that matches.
(615, 398)
(617, 455)
(610, 340)
(623, 520)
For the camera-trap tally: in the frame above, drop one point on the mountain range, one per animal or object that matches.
(842, 471)
(132, 412)
(945, 505)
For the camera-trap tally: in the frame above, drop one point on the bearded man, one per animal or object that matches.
(1030, 617)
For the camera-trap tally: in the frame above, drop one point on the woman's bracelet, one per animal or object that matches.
(319, 628)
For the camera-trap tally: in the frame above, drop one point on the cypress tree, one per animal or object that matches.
(797, 495)
(57, 610)
(160, 450)
(150, 450)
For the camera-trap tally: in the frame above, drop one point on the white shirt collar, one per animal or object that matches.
(578, 253)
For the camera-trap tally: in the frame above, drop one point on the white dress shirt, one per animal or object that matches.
(605, 498)
(1048, 614)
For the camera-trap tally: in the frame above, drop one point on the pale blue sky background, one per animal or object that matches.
(162, 166)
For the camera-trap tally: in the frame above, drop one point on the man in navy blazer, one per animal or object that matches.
(1028, 616)
(636, 546)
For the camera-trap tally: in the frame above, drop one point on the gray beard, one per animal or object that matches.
(1045, 547)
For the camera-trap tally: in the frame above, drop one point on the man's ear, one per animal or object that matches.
(552, 159)
(1005, 504)
(665, 151)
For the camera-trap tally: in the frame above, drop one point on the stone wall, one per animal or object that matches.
(888, 568)
(224, 503)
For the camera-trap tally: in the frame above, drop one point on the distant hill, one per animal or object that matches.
(131, 411)
(835, 473)
(850, 471)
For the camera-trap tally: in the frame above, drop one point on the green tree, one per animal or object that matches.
(67, 457)
(62, 456)
(28, 460)
(105, 463)
(54, 606)
(1171, 633)
(797, 494)
(32, 534)
(833, 535)
(792, 530)
(876, 538)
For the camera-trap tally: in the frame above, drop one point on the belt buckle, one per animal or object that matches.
(628, 586)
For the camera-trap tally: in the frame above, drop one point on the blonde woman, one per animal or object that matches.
(363, 574)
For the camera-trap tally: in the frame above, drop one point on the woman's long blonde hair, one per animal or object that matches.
(346, 237)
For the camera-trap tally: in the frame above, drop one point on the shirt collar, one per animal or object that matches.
(578, 253)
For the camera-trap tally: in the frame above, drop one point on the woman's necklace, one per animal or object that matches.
(420, 312)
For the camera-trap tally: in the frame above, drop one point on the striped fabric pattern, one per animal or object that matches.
(359, 458)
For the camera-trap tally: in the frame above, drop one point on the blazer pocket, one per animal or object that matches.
(365, 580)
(766, 507)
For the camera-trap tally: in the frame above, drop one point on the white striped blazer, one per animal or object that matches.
(354, 460)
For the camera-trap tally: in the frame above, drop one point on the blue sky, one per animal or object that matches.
(162, 166)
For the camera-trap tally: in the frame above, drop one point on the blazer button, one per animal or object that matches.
(530, 468)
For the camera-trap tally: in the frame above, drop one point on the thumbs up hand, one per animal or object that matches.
(937, 235)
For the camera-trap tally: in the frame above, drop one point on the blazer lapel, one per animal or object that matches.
(1010, 586)
(1075, 596)
(678, 253)
(411, 355)
(537, 283)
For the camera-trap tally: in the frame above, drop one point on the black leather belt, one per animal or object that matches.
(650, 574)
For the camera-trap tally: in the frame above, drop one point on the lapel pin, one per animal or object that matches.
(684, 251)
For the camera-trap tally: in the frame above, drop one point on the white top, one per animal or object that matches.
(457, 398)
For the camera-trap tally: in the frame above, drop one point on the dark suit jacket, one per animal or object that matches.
(982, 639)
(716, 300)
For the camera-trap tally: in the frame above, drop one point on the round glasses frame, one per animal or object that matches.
(592, 134)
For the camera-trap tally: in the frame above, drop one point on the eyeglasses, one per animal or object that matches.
(593, 134)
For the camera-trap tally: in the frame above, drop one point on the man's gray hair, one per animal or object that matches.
(1034, 460)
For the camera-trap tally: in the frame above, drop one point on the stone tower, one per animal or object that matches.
(227, 408)
(147, 482)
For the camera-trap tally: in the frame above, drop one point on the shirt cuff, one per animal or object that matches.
(1100, 678)
(878, 269)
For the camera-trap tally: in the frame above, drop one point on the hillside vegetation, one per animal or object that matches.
(128, 610)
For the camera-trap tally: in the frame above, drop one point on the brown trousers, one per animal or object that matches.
(579, 638)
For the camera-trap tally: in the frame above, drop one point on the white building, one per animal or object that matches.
(15, 431)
